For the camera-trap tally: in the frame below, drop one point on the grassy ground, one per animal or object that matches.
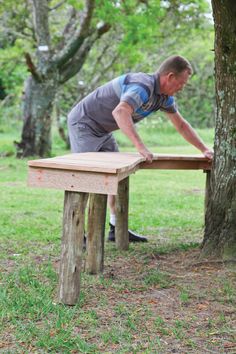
(155, 298)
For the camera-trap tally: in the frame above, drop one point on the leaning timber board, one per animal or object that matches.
(100, 172)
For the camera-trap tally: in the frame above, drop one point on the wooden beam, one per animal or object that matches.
(176, 165)
(122, 209)
(95, 235)
(207, 188)
(81, 181)
(72, 247)
(107, 162)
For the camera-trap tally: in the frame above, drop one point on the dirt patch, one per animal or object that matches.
(195, 313)
(144, 302)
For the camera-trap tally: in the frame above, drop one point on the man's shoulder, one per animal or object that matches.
(138, 78)
(135, 81)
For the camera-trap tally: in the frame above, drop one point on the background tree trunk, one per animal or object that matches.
(38, 105)
(220, 230)
(54, 67)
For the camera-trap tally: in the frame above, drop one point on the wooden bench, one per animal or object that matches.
(96, 174)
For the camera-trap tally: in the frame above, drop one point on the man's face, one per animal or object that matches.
(176, 83)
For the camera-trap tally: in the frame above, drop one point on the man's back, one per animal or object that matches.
(141, 91)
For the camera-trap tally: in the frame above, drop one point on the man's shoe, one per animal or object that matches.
(133, 237)
(111, 235)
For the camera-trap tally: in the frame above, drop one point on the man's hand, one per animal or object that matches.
(146, 154)
(208, 154)
(189, 134)
(123, 117)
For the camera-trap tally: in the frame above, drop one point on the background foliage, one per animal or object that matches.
(143, 33)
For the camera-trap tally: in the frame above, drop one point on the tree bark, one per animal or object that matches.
(53, 67)
(220, 221)
(38, 105)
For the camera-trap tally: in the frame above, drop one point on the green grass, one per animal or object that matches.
(157, 133)
(119, 311)
(175, 209)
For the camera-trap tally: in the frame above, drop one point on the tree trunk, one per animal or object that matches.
(38, 105)
(220, 230)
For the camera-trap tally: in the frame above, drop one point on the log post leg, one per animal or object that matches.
(72, 246)
(122, 209)
(96, 233)
(208, 188)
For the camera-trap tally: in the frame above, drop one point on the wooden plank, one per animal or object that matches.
(60, 164)
(179, 157)
(122, 209)
(177, 162)
(103, 170)
(124, 156)
(72, 247)
(115, 162)
(91, 182)
(97, 162)
(176, 165)
(96, 233)
(123, 175)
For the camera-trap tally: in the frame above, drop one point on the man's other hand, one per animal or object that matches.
(146, 154)
(208, 154)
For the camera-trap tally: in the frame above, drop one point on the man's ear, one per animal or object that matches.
(170, 75)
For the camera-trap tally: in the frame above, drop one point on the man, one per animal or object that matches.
(121, 103)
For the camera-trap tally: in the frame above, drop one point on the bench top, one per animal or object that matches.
(114, 163)
(108, 162)
(100, 172)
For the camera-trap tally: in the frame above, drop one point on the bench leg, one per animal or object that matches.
(96, 233)
(208, 188)
(72, 246)
(122, 209)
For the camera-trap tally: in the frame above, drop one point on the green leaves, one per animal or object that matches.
(77, 4)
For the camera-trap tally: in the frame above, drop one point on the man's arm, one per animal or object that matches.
(189, 134)
(123, 117)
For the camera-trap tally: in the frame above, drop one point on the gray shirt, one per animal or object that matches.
(141, 91)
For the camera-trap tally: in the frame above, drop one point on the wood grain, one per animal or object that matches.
(109, 162)
(91, 182)
(100, 172)
(95, 235)
(72, 247)
(122, 209)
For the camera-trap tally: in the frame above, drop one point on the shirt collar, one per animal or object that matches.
(157, 84)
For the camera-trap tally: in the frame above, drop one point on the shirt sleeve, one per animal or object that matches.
(135, 95)
(169, 105)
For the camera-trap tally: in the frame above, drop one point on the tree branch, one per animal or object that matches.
(41, 23)
(32, 67)
(74, 65)
(57, 6)
(69, 28)
(78, 38)
(104, 69)
(17, 34)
